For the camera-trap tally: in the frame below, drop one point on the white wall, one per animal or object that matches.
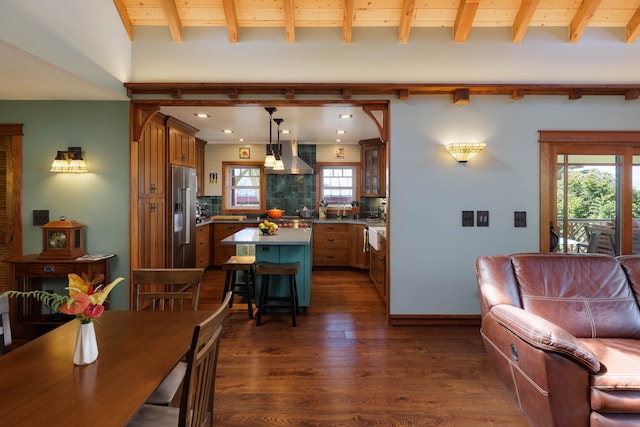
(432, 256)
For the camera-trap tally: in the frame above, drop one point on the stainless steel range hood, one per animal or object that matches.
(293, 165)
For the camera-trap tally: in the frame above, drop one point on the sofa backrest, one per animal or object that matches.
(588, 295)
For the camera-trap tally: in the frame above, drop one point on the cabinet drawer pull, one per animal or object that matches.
(329, 240)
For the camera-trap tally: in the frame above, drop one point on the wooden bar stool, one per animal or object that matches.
(289, 271)
(233, 265)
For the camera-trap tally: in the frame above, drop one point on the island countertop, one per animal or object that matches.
(284, 236)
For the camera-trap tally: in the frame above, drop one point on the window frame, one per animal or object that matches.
(357, 177)
(552, 143)
(225, 182)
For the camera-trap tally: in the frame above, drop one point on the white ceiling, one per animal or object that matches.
(80, 51)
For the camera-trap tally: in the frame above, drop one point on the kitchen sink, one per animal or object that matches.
(374, 232)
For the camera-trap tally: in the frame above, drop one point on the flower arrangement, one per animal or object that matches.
(85, 300)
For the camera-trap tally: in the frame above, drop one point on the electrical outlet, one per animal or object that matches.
(40, 217)
(467, 219)
(519, 219)
(482, 218)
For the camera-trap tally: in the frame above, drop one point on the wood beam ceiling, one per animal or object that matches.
(232, 20)
(460, 93)
(582, 18)
(347, 24)
(464, 20)
(523, 19)
(173, 19)
(408, 11)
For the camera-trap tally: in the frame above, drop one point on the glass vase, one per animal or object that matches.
(86, 351)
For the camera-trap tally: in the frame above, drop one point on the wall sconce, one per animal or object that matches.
(69, 161)
(464, 151)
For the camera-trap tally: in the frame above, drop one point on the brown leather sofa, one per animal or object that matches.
(563, 334)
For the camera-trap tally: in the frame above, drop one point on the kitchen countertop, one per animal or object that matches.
(284, 236)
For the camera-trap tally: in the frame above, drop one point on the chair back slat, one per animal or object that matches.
(196, 405)
(5, 325)
(166, 289)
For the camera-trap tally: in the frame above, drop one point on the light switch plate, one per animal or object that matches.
(482, 218)
(467, 219)
(519, 219)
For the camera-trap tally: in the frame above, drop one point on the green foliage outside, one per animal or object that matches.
(592, 194)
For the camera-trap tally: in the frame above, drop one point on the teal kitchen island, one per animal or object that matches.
(287, 245)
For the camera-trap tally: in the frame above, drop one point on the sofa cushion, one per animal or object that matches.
(588, 295)
(616, 387)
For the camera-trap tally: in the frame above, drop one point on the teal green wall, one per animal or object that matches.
(100, 198)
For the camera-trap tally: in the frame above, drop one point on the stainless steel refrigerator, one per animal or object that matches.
(182, 252)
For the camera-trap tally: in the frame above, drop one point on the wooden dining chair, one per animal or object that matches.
(196, 403)
(167, 289)
(5, 325)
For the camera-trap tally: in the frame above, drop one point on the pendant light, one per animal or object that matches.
(270, 160)
(279, 166)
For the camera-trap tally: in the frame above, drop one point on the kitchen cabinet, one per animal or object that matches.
(378, 270)
(200, 148)
(221, 253)
(358, 246)
(203, 241)
(182, 143)
(374, 168)
(151, 218)
(330, 244)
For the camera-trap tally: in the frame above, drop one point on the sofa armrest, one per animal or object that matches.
(544, 335)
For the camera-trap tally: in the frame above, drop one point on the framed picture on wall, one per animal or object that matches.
(244, 153)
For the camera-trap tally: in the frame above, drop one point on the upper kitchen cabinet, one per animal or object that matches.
(200, 144)
(182, 143)
(373, 160)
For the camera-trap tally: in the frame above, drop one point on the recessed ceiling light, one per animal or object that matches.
(341, 132)
(240, 139)
(202, 115)
(338, 140)
(346, 116)
(285, 131)
(227, 131)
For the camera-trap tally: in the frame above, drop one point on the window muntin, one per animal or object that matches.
(243, 187)
(338, 184)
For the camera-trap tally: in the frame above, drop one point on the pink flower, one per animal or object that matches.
(93, 310)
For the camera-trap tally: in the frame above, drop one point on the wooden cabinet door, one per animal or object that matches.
(152, 159)
(182, 143)
(200, 149)
(331, 244)
(152, 230)
(358, 250)
(373, 159)
(202, 246)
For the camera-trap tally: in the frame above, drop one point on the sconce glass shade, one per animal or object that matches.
(464, 151)
(60, 163)
(69, 161)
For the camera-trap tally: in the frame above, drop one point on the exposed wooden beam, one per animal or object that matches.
(124, 17)
(289, 21)
(290, 93)
(408, 10)
(173, 19)
(523, 18)
(581, 19)
(632, 29)
(347, 93)
(403, 93)
(347, 24)
(230, 16)
(461, 96)
(464, 20)
(632, 95)
(575, 94)
(517, 94)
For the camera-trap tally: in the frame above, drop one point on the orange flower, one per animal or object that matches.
(76, 305)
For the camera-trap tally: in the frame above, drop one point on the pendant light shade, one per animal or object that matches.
(270, 159)
(279, 165)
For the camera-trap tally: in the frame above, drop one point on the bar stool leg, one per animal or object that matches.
(228, 287)
(250, 280)
(264, 291)
(293, 296)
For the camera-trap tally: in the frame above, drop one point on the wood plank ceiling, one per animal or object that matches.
(460, 15)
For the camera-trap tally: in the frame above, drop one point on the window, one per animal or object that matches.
(243, 187)
(338, 183)
(590, 191)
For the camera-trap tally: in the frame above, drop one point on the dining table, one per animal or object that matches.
(40, 385)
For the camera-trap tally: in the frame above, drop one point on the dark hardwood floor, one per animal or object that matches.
(343, 366)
